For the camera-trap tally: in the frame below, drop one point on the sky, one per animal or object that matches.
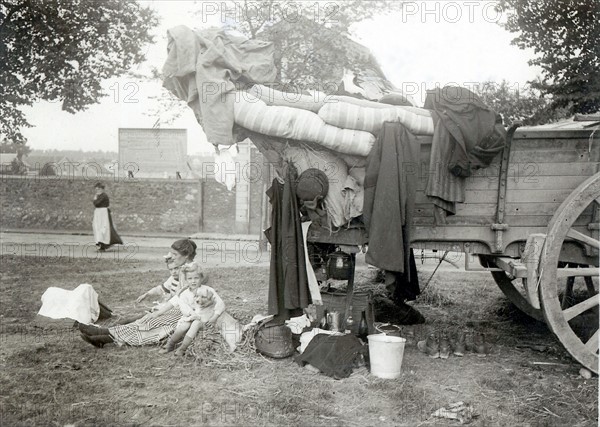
(429, 43)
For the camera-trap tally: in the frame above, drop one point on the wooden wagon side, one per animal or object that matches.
(543, 168)
(532, 218)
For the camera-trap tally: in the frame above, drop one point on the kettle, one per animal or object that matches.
(339, 265)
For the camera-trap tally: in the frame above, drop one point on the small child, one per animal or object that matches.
(200, 306)
(167, 289)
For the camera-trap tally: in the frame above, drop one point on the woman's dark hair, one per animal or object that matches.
(99, 185)
(185, 247)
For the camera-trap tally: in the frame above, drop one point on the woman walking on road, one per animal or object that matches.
(105, 234)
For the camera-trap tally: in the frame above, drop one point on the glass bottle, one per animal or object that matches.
(349, 322)
(363, 327)
(324, 324)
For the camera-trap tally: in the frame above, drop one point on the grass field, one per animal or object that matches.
(51, 377)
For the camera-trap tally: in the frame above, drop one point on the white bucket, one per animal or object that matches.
(385, 354)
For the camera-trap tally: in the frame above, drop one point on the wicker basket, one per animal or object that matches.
(274, 341)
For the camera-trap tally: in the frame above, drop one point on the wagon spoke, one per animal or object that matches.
(577, 309)
(589, 283)
(592, 344)
(580, 237)
(568, 294)
(572, 272)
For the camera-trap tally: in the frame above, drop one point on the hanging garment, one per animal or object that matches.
(390, 186)
(475, 130)
(288, 283)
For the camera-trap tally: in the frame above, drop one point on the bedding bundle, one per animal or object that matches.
(344, 127)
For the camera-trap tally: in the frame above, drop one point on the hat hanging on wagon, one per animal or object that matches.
(312, 184)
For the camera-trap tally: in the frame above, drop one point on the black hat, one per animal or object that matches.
(312, 183)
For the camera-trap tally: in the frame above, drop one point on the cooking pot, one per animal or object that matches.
(339, 265)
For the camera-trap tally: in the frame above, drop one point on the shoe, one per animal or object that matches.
(444, 347)
(430, 346)
(469, 345)
(97, 340)
(169, 347)
(480, 346)
(92, 330)
(407, 315)
(459, 344)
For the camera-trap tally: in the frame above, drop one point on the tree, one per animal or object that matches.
(565, 34)
(514, 104)
(14, 147)
(311, 41)
(61, 50)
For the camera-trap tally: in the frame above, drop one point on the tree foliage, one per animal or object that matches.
(565, 34)
(311, 41)
(525, 105)
(61, 51)
(14, 147)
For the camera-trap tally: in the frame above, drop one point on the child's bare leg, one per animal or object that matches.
(180, 330)
(189, 337)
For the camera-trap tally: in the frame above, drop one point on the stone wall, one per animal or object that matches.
(138, 206)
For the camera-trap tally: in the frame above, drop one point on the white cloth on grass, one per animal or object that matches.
(80, 304)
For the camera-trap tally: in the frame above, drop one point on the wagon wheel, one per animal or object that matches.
(565, 323)
(509, 288)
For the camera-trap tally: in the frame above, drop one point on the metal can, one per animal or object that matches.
(334, 321)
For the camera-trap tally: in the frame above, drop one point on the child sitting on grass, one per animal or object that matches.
(200, 307)
(167, 289)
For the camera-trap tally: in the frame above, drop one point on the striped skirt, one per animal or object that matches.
(146, 331)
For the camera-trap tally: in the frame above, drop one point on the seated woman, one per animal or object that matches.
(149, 329)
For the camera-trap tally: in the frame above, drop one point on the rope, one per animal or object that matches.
(436, 268)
